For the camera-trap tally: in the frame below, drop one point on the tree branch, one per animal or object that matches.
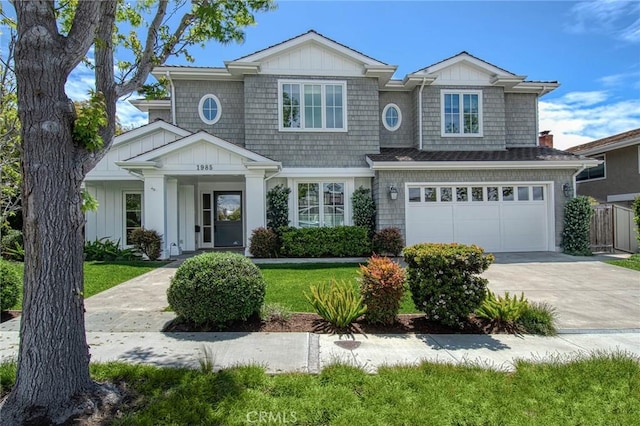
(82, 33)
(145, 62)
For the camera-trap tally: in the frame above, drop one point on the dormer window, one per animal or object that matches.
(461, 113)
(312, 105)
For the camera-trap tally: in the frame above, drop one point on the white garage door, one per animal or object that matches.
(497, 217)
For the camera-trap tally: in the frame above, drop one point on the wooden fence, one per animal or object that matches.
(613, 228)
(602, 228)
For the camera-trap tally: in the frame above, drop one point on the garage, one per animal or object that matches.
(499, 217)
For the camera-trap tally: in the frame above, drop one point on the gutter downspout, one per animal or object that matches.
(173, 98)
(424, 80)
(573, 179)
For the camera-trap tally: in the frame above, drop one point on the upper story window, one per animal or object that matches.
(461, 113)
(391, 117)
(312, 105)
(210, 109)
(597, 172)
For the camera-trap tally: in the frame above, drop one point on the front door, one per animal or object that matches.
(227, 223)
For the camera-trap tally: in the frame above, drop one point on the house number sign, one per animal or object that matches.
(200, 167)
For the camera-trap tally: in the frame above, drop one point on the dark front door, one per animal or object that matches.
(227, 225)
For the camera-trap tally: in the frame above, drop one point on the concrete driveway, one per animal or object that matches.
(587, 293)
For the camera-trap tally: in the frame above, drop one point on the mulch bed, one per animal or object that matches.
(312, 323)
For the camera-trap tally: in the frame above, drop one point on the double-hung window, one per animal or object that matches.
(321, 204)
(461, 113)
(312, 105)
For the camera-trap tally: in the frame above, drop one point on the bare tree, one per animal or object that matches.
(59, 147)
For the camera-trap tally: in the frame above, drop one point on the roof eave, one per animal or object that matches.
(475, 165)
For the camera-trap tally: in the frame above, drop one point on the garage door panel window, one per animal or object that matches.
(476, 194)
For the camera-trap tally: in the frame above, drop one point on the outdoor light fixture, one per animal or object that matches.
(567, 189)
(393, 192)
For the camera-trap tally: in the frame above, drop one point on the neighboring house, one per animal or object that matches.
(617, 179)
(450, 151)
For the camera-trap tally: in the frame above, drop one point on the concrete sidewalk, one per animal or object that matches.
(598, 306)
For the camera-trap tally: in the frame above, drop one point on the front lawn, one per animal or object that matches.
(100, 276)
(599, 390)
(632, 262)
(287, 283)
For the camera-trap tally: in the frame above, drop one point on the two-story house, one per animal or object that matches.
(450, 151)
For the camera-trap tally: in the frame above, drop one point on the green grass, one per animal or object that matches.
(632, 262)
(287, 283)
(100, 276)
(601, 389)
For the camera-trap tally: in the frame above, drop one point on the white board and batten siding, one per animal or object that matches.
(311, 59)
(498, 225)
(461, 73)
(200, 157)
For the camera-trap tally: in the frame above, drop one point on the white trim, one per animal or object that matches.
(470, 60)
(322, 172)
(348, 188)
(604, 167)
(384, 117)
(323, 84)
(150, 128)
(201, 136)
(623, 197)
(461, 93)
(145, 105)
(215, 99)
(473, 165)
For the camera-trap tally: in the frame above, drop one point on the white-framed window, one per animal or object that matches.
(594, 173)
(391, 117)
(461, 112)
(210, 109)
(132, 212)
(313, 105)
(320, 204)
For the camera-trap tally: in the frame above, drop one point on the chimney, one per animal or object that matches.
(545, 139)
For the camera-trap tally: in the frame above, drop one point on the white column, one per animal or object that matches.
(154, 207)
(171, 206)
(255, 201)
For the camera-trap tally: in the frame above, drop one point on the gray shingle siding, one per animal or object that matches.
(521, 119)
(159, 114)
(230, 127)
(312, 149)
(391, 213)
(404, 136)
(493, 121)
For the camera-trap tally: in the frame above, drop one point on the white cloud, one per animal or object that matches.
(130, 116)
(575, 122)
(583, 99)
(626, 78)
(613, 17)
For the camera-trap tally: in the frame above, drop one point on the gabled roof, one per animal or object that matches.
(621, 140)
(463, 56)
(156, 126)
(311, 35)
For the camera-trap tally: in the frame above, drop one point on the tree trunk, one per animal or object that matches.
(53, 361)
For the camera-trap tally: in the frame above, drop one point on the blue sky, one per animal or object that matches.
(591, 48)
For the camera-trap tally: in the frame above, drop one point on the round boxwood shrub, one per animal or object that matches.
(216, 288)
(9, 287)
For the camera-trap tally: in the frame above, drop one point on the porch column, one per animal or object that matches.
(171, 237)
(255, 212)
(154, 206)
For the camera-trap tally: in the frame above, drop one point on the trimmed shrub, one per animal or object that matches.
(275, 312)
(382, 287)
(147, 241)
(278, 207)
(577, 222)
(338, 303)
(216, 288)
(443, 280)
(9, 287)
(364, 209)
(264, 243)
(105, 250)
(636, 215)
(388, 241)
(539, 318)
(12, 245)
(341, 241)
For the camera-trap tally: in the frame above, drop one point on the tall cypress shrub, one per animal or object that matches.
(577, 223)
(278, 207)
(364, 209)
